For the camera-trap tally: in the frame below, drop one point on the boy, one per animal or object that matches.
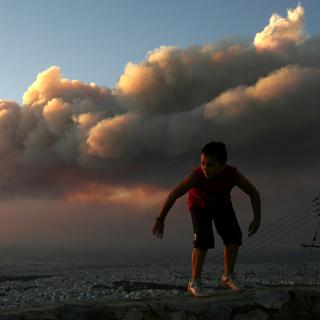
(209, 188)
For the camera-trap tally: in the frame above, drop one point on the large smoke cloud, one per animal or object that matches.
(282, 32)
(260, 96)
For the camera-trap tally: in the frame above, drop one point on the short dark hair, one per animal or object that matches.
(215, 149)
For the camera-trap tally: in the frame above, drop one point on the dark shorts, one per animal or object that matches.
(226, 224)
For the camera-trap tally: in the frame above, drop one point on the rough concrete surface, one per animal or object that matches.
(277, 303)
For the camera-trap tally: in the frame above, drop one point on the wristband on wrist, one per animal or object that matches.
(160, 219)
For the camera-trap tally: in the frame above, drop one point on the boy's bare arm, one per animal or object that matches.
(176, 193)
(251, 190)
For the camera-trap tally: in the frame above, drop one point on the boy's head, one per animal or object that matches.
(213, 158)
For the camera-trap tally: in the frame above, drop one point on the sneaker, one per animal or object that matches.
(196, 289)
(231, 282)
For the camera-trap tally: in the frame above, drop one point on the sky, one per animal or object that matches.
(93, 41)
(105, 105)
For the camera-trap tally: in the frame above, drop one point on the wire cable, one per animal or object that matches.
(277, 233)
(280, 236)
(279, 229)
(289, 216)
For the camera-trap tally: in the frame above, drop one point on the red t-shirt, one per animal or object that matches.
(214, 192)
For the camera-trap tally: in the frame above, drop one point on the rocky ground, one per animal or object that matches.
(34, 285)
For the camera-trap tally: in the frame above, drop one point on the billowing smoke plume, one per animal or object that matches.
(261, 98)
(281, 32)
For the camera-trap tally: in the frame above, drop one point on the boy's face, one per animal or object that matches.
(210, 166)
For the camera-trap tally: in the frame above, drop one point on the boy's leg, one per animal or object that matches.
(230, 232)
(228, 228)
(230, 257)
(195, 284)
(229, 279)
(198, 258)
(203, 239)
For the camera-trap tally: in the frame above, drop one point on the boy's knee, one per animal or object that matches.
(200, 250)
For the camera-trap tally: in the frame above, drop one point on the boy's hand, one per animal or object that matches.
(158, 228)
(253, 227)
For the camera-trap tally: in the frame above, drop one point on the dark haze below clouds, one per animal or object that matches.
(54, 231)
(111, 155)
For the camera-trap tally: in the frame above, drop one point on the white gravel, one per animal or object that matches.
(25, 285)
